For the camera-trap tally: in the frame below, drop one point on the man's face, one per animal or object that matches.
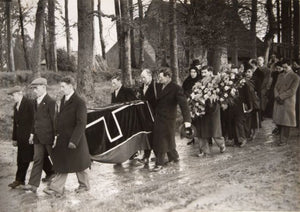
(285, 67)
(163, 79)
(278, 68)
(260, 61)
(204, 72)
(65, 88)
(146, 78)
(249, 73)
(116, 84)
(39, 90)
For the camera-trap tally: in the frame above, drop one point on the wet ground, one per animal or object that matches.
(260, 176)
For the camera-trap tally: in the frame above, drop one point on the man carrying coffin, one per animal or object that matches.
(169, 96)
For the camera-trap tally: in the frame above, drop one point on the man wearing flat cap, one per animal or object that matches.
(43, 130)
(22, 124)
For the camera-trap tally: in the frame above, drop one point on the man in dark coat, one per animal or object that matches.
(43, 129)
(22, 124)
(169, 96)
(70, 150)
(121, 94)
(148, 92)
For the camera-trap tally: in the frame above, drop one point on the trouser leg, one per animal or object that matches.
(147, 153)
(58, 182)
(284, 134)
(47, 167)
(83, 179)
(240, 128)
(38, 158)
(203, 145)
(22, 168)
(173, 155)
(160, 158)
(219, 141)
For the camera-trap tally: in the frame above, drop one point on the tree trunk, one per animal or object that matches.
(101, 31)
(141, 35)
(45, 46)
(163, 46)
(67, 29)
(10, 52)
(271, 29)
(253, 28)
(119, 33)
(126, 70)
(38, 36)
(85, 80)
(51, 33)
(1, 47)
(132, 46)
(296, 30)
(278, 21)
(173, 42)
(217, 58)
(21, 18)
(286, 26)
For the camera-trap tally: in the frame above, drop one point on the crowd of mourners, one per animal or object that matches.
(41, 129)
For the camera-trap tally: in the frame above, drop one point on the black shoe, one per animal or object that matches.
(157, 168)
(191, 142)
(15, 184)
(48, 178)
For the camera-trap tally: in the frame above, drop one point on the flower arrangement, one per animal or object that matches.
(221, 88)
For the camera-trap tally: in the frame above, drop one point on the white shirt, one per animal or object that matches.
(69, 96)
(146, 86)
(117, 91)
(19, 103)
(40, 99)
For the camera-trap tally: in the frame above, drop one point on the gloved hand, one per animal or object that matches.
(71, 146)
(279, 100)
(188, 131)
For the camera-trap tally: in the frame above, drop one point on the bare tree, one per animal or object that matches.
(173, 42)
(10, 53)
(125, 36)
(21, 18)
(51, 33)
(67, 28)
(38, 36)
(132, 46)
(141, 34)
(253, 28)
(1, 44)
(119, 33)
(296, 29)
(271, 28)
(85, 80)
(101, 30)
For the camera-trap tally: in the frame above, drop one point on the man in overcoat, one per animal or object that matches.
(169, 96)
(70, 152)
(284, 113)
(22, 124)
(120, 93)
(42, 133)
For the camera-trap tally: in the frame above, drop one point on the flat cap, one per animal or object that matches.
(14, 89)
(39, 81)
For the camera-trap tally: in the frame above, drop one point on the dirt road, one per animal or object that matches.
(260, 176)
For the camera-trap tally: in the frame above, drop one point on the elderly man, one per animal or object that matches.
(42, 134)
(70, 148)
(284, 114)
(168, 97)
(148, 92)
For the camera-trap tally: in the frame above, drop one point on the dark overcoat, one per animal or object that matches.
(71, 123)
(165, 116)
(150, 95)
(286, 88)
(124, 95)
(22, 125)
(44, 121)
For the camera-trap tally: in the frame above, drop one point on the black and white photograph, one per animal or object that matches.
(149, 105)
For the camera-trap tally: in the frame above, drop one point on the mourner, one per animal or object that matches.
(22, 123)
(43, 130)
(120, 93)
(169, 96)
(70, 149)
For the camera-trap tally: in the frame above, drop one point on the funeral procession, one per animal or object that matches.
(149, 105)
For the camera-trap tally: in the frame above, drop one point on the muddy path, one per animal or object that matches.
(260, 176)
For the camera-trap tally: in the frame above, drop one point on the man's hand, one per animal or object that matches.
(31, 139)
(54, 142)
(188, 128)
(71, 146)
(279, 100)
(187, 124)
(14, 143)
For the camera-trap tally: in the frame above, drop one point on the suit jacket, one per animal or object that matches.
(124, 95)
(165, 116)
(44, 121)
(22, 125)
(286, 88)
(71, 123)
(150, 95)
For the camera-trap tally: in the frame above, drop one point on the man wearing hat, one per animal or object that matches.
(22, 123)
(43, 130)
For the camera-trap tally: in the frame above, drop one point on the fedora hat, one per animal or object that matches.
(189, 132)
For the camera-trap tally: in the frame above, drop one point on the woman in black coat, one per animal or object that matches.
(190, 81)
